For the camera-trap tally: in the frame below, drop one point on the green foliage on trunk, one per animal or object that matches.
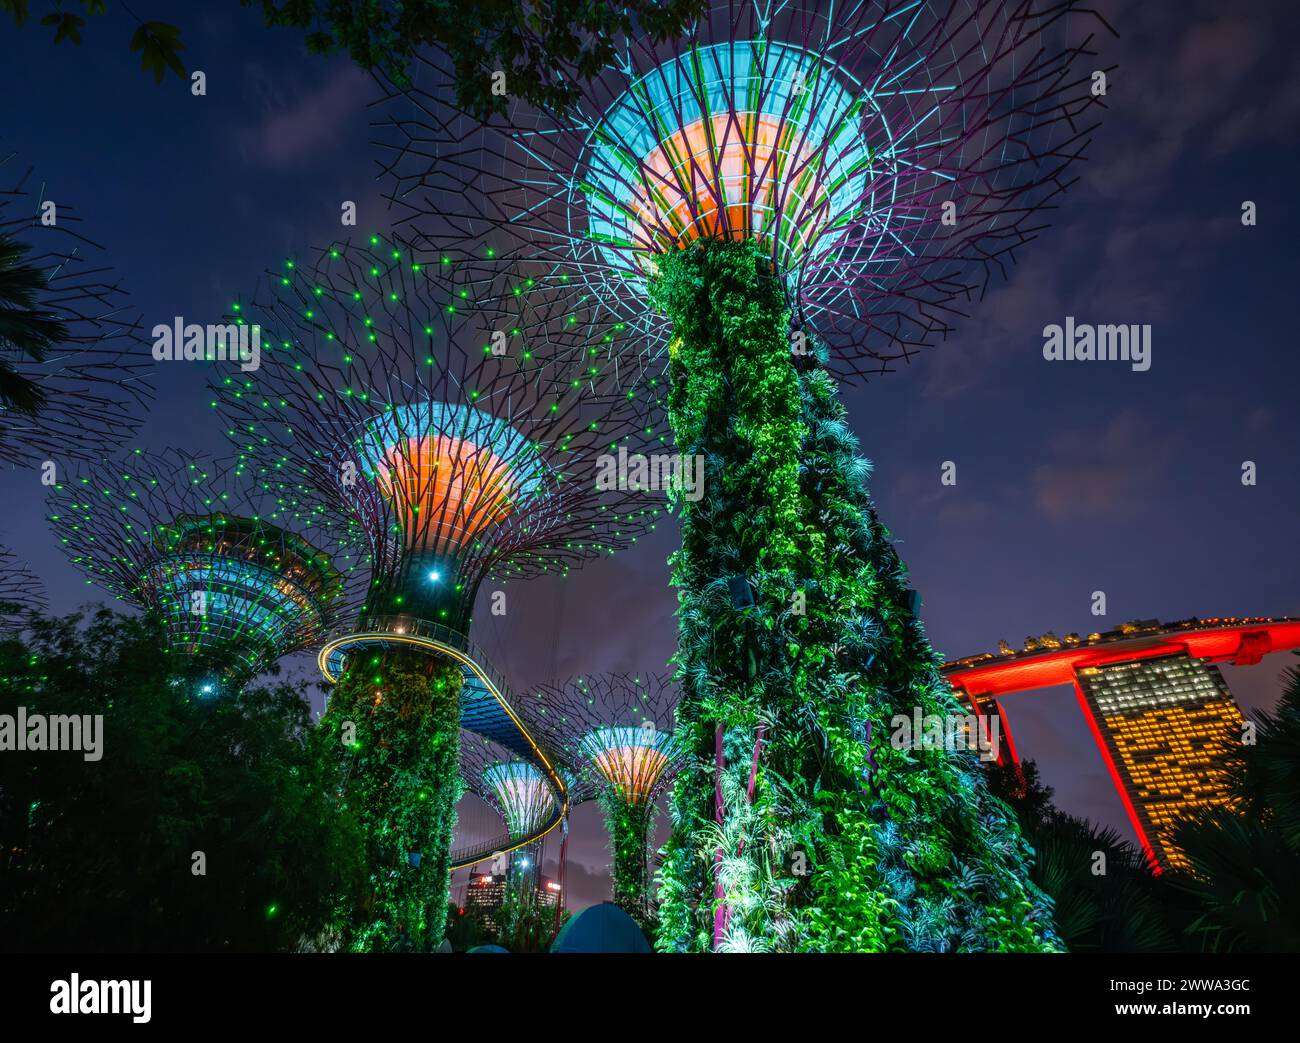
(401, 711)
(628, 827)
(841, 842)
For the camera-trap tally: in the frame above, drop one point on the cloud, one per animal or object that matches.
(1188, 88)
(1100, 475)
(1003, 329)
(1202, 90)
(293, 130)
(916, 493)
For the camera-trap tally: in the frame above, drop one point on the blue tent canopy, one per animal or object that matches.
(601, 928)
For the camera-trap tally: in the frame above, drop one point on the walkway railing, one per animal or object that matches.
(471, 853)
(410, 626)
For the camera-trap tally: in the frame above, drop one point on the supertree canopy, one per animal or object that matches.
(237, 575)
(381, 391)
(519, 790)
(72, 361)
(462, 457)
(616, 733)
(788, 193)
(20, 591)
(888, 156)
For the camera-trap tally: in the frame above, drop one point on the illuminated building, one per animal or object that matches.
(228, 568)
(1165, 725)
(549, 893)
(487, 893)
(1155, 702)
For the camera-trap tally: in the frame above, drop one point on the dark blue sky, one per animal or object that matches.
(1071, 477)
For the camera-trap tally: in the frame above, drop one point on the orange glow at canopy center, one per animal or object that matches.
(720, 178)
(634, 770)
(446, 490)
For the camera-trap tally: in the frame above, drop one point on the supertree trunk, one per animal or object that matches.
(628, 826)
(798, 824)
(394, 719)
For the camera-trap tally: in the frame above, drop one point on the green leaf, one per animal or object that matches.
(158, 43)
(17, 8)
(69, 24)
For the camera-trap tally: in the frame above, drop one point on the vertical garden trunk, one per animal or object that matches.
(401, 780)
(628, 826)
(807, 829)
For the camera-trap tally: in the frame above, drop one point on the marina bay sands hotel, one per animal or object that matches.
(1154, 699)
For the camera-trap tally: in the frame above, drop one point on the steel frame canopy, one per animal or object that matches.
(84, 353)
(889, 155)
(236, 573)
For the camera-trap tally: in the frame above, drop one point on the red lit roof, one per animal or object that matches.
(1241, 643)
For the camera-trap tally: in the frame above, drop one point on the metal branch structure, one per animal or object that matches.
(517, 789)
(520, 792)
(71, 345)
(239, 576)
(790, 193)
(462, 457)
(616, 733)
(380, 391)
(21, 591)
(888, 156)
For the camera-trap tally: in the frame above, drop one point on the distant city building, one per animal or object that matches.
(548, 893)
(1159, 710)
(486, 893)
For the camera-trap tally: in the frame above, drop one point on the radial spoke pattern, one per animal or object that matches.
(67, 328)
(239, 575)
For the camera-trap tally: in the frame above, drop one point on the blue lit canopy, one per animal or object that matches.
(751, 138)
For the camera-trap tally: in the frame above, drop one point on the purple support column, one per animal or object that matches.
(719, 908)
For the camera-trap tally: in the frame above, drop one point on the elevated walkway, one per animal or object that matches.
(485, 707)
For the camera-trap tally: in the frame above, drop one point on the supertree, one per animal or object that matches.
(72, 362)
(787, 194)
(461, 457)
(520, 791)
(615, 732)
(21, 591)
(237, 575)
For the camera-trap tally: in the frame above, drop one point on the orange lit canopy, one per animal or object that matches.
(752, 139)
(450, 472)
(630, 759)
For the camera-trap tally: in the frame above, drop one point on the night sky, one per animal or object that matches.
(1072, 477)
